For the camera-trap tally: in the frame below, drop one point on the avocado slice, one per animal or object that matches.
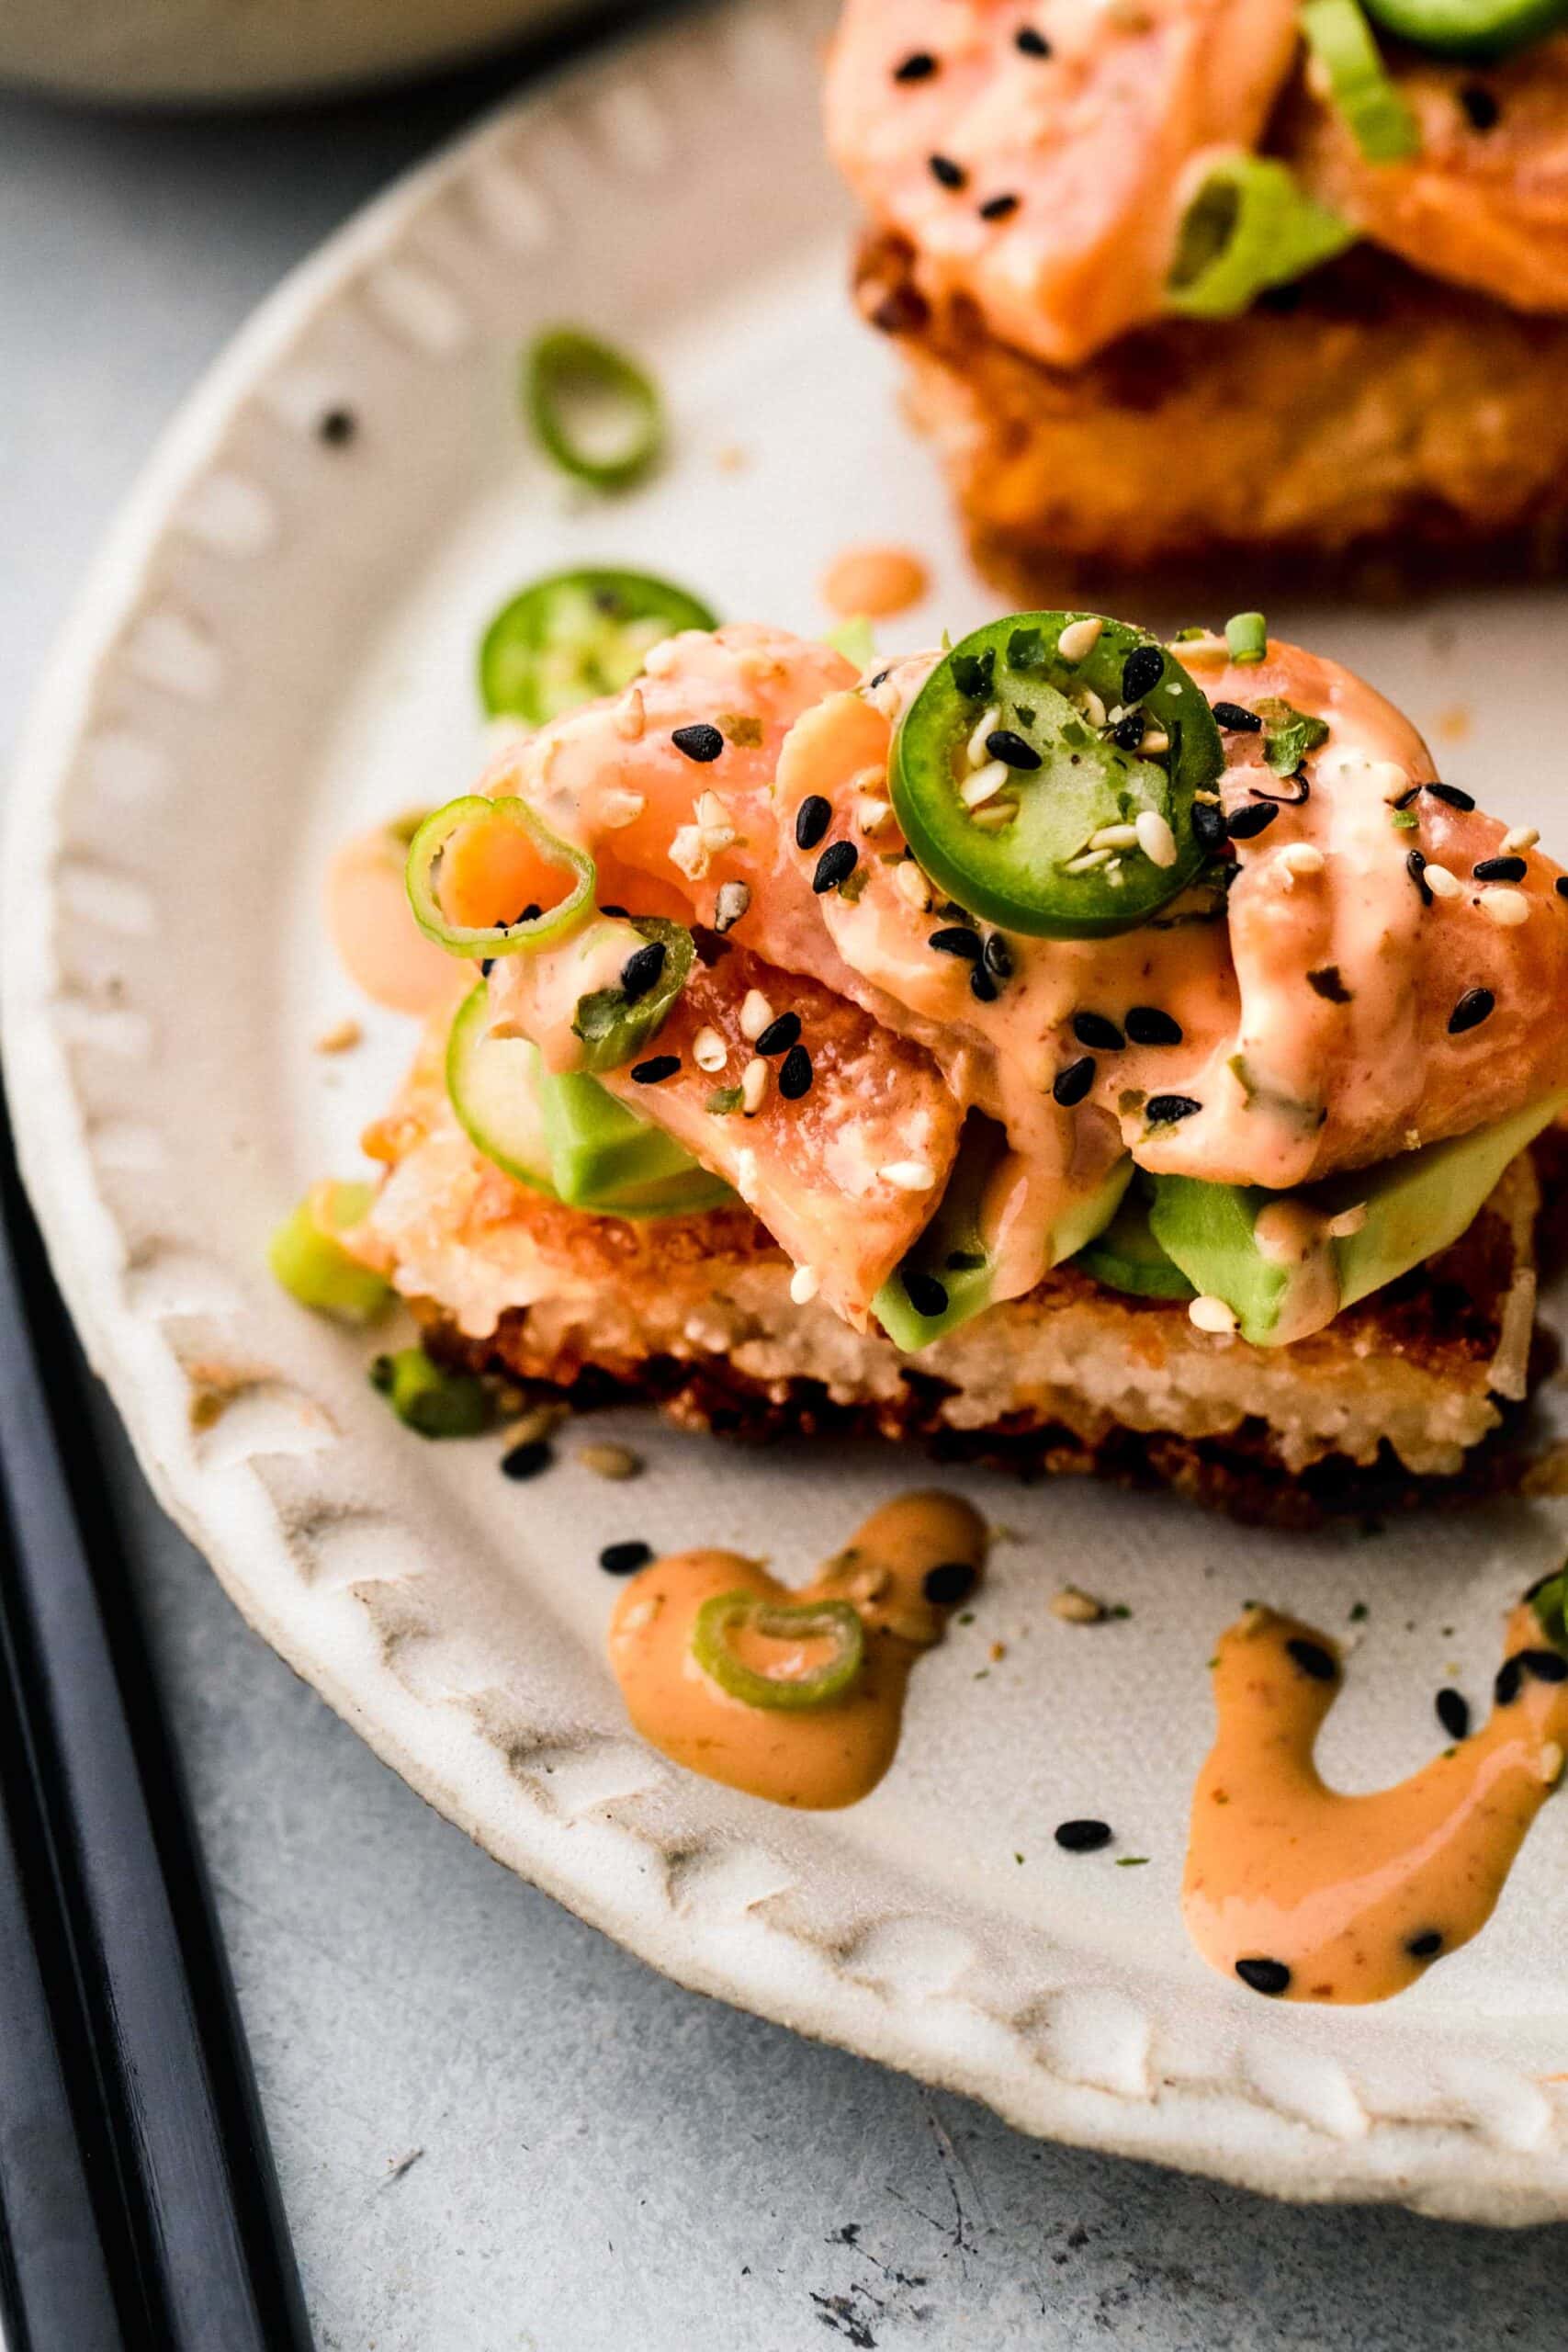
(1416, 1205)
(1125, 1256)
(952, 1267)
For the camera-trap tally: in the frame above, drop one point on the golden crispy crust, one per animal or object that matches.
(1356, 423)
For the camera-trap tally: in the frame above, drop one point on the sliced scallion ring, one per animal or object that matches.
(1483, 29)
(524, 852)
(595, 410)
(1247, 638)
(720, 1620)
(1342, 46)
(1247, 225)
(613, 1025)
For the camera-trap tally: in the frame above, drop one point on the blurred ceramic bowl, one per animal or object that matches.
(174, 51)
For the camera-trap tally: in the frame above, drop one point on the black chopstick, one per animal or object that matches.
(144, 2210)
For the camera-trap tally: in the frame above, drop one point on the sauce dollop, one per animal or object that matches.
(875, 580)
(373, 930)
(816, 1759)
(1313, 1895)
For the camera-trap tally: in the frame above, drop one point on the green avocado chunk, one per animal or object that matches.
(1125, 1256)
(948, 1276)
(1415, 1206)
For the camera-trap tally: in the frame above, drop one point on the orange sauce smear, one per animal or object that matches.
(875, 580)
(373, 930)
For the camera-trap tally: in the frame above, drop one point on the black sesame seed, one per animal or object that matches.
(794, 1074)
(947, 173)
(982, 988)
(1142, 672)
(1208, 826)
(1236, 721)
(1481, 107)
(1147, 1026)
(1499, 869)
(1012, 749)
(624, 1559)
(1313, 1659)
(1031, 43)
(956, 941)
(654, 1071)
(1454, 1711)
(1416, 866)
(1093, 1030)
(1452, 794)
(486, 965)
(619, 911)
(812, 819)
(835, 866)
(919, 66)
(337, 426)
(1164, 1110)
(1254, 817)
(1426, 1945)
(1471, 1010)
(1128, 733)
(1510, 1679)
(1405, 798)
(948, 1582)
(641, 970)
(1264, 1975)
(925, 1294)
(1070, 1085)
(1083, 1837)
(1327, 983)
(1543, 1666)
(701, 742)
(530, 913)
(998, 208)
(527, 1460)
(997, 956)
(779, 1035)
(1560, 886)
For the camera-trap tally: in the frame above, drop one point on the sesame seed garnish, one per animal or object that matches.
(624, 1559)
(641, 970)
(948, 1582)
(1235, 720)
(337, 427)
(1082, 1836)
(1208, 1314)
(527, 1460)
(804, 1285)
(754, 1086)
(1560, 886)
(1254, 817)
(812, 819)
(654, 1071)
(1076, 1608)
(614, 1462)
(1128, 731)
(1441, 882)
(1154, 837)
(834, 867)
(1092, 1029)
(956, 941)
(1070, 1085)
(1521, 837)
(919, 66)
(975, 749)
(872, 813)
(1474, 1007)
(925, 1294)
(1142, 672)
(709, 1051)
(780, 1034)
(1314, 1661)
(908, 1175)
(618, 810)
(1327, 983)
(1454, 1711)
(1499, 869)
(1481, 107)
(998, 208)
(1507, 908)
(1012, 749)
(913, 887)
(1031, 43)
(1426, 1945)
(1264, 1975)
(997, 957)
(756, 1014)
(946, 173)
(981, 985)
(1349, 1221)
(985, 784)
(1416, 866)
(1451, 794)
(1148, 1025)
(1208, 826)
(794, 1074)
(1165, 1110)
(701, 742)
(1301, 858)
(1080, 637)
(1507, 1682)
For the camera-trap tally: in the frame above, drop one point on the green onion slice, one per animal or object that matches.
(1341, 42)
(595, 410)
(613, 1026)
(1246, 636)
(314, 1266)
(1290, 734)
(1247, 226)
(427, 1398)
(545, 850)
(1482, 29)
(575, 636)
(1549, 1601)
(728, 1614)
(855, 639)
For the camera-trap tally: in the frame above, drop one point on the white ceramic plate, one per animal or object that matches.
(278, 646)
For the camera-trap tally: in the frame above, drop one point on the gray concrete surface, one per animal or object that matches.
(497, 2132)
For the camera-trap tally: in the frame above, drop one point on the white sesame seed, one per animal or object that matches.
(755, 1015)
(1212, 798)
(617, 809)
(709, 1051)
(1211, 1313)
(1155, 739)
(607, 1461)
(1441, 883)
(1523, 837)
(630, 718)
(985, 784)
(341, 1038)
(730, 904)
(1348, 1222)
(1114, 837)
(754, 1085)
(1388, 779)
(804, 1285)
(711, 809)
(872, 814)
(908, 1175)
(1154, 837)
(912, 887)
(1076, 1608)
(1080, 637)
(1551, 1763)
(715, 837)
(1506, 908)
(1301, 858)
(977, 754)
(688, 853)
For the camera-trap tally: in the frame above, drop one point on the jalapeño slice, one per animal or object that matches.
(1482, 29)
(575, 636)
(1052, 793)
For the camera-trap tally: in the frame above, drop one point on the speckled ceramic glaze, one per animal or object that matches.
(277, 645)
